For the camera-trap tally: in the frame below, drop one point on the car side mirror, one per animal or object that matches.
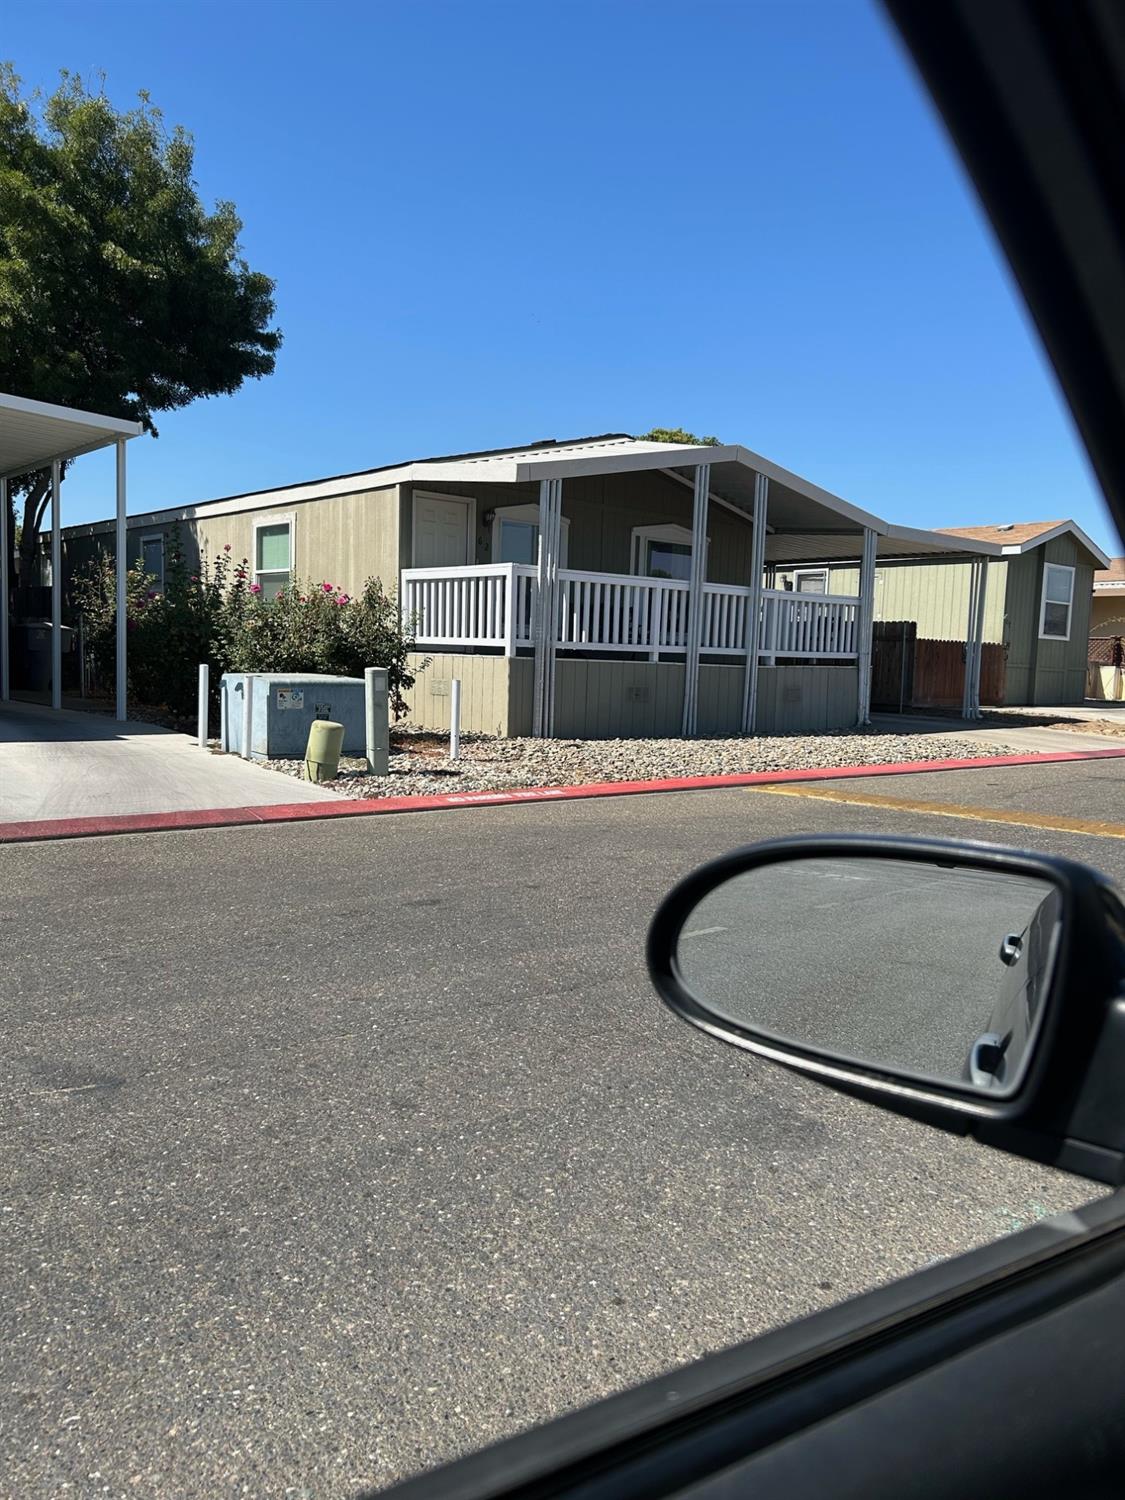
(977, 988)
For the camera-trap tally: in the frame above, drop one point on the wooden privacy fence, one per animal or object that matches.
(1106, 651)
(910, 673)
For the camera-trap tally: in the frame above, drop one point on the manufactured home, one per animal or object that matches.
(598, 587)
(1036, 603)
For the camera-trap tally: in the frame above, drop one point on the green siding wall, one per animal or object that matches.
(603, 510)
(1059, 673)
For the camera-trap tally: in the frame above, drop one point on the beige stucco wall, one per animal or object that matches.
(1105, 683)
(1107, 614)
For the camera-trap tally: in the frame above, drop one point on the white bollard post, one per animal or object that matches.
(224, 718)
(455, 719)
(247, 714)
(204, 705)
(377, 717)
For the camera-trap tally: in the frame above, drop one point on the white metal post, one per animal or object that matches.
(122, 574)
(82, 657)
(56, 586)
(979, 637)
(546, 606)
(553, 624)
(204, 705)
(377, 719)
(510, 602)
(5, 584)
(224, 716)
(455, 719)
(754, 605)
(969, 627)
(697, 579)
(974, 638)
(865, 625)
(247, 714)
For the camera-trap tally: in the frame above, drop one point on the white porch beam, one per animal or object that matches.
(546, 607)
(122, 573)
(865, 626)
(696, 581)
(754, 604)
(56, 586)
(5, 584)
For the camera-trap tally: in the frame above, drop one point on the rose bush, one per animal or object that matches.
(214, 613)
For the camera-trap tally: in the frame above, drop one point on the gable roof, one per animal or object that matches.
(806, 522)
(1112, 578)
(1017, 537)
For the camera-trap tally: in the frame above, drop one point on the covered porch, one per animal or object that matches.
(719, 649)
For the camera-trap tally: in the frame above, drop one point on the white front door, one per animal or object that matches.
(441, 532)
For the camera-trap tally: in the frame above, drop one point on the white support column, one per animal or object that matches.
(546, 607)
(5, 585)
(974, 638)
(695, 598)
(754, 604)
(865, 625)
(122, 572)
(56, 586)
(969, 629)
(979, 639)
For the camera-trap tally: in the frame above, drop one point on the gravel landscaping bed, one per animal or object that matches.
(419, 760)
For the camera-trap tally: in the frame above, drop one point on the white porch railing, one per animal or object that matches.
(492, 605)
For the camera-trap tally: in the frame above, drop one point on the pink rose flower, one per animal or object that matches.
(226, 547)
(341, 598)
(255, 588)
(329, 588)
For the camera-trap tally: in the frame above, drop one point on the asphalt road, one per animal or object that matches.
(332, 1150)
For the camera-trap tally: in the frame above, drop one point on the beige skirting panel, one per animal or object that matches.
(611, 699)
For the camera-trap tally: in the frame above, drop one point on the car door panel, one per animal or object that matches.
(728, 1411)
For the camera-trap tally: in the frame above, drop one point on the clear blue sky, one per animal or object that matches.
(491, 223)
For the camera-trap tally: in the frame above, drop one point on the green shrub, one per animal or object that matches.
(214, 614)
(319, 628)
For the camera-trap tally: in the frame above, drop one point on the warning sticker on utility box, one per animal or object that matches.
(290, 698)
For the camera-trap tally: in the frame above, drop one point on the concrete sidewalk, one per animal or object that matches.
(1027, 731)
(58, 764)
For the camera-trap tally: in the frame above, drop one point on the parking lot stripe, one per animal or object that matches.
(1096, 828)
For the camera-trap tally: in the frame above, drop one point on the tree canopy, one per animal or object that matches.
(119, 291)
(679, 435)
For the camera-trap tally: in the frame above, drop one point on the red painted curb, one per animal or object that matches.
(297, 812)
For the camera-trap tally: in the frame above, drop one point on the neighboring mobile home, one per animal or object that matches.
(652, 559)
(1107, 608)
(1036, 606)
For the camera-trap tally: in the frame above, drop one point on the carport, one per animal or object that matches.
(36, 435)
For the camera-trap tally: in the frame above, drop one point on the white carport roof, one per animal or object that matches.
(806, 523)
(37, 435)
(33, 434)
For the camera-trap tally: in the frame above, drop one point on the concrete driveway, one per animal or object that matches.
(57, 764)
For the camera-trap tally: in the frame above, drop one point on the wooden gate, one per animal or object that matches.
(910, 673)
(893, 652)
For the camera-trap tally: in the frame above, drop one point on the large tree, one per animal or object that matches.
(119, 291)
